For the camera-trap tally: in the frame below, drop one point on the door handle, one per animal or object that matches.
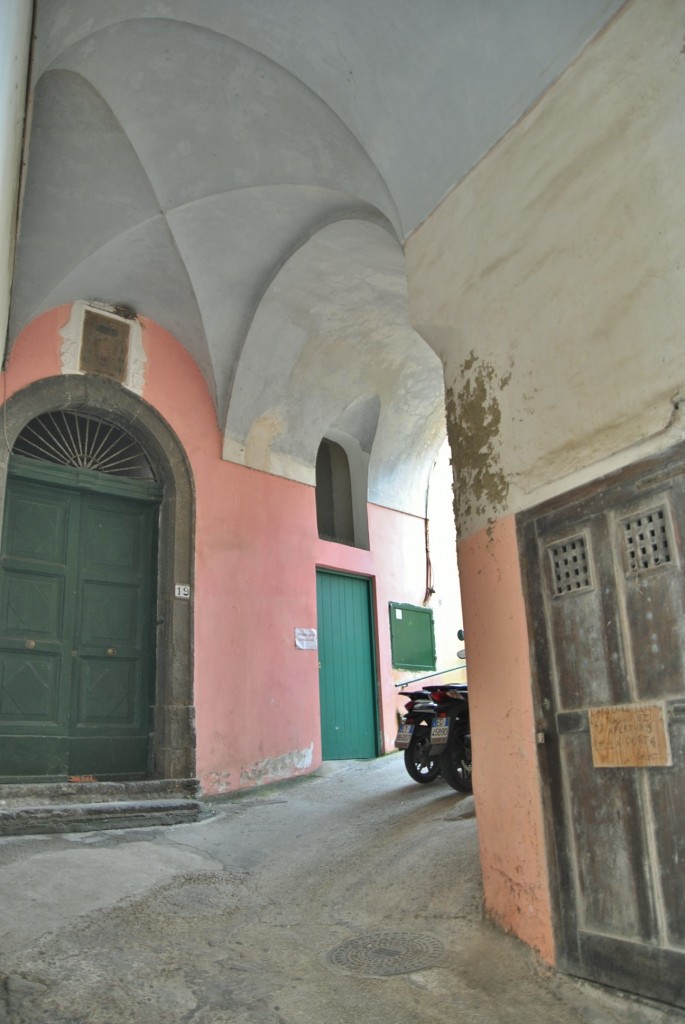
(111, 651)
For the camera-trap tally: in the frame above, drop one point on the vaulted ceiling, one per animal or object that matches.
(244, 172)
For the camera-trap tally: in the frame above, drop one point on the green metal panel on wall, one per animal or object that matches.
(347, 673)
(412, 636)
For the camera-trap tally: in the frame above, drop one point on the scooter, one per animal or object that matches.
(455, 729)
(435, 735)
(414, 736)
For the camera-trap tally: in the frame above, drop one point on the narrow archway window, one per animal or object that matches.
(83, 442)
(334, 516)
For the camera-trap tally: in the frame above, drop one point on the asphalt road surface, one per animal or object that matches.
(349, 897)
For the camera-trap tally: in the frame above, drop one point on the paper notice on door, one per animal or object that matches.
(306, 639)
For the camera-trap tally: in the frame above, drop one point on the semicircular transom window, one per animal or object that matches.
(84, 442)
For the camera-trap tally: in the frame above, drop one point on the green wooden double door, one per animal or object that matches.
(76, 624)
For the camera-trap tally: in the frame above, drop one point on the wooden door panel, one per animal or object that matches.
(111, 613)
(584, 673)
(108, 693)
(668, 801)
(76, 656)
(609, 846)
(610, 633)
(36, 524)
(655, 608)
(36, 606)
(41, 757)
(31, 605)
(29, 689)
(111, 689)
(347, 673)
(583, 617)
(114, 538)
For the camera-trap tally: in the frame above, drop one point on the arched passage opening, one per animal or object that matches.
(169, 744)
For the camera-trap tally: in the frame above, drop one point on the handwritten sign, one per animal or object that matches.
(630, 736)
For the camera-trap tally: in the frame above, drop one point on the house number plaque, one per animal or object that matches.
(630, 736)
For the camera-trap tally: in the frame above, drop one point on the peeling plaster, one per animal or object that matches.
(283, 767)
(218, 783)
(473, 428)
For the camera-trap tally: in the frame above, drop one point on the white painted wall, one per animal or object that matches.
(551, 282)
(15, 34)
(442, 546)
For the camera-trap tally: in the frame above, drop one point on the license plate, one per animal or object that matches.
(403, 737)
(440, 730)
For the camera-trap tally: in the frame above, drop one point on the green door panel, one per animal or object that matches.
(347, 676)
(37, 524)
(29, 688)
(76, 652)
(36, 608)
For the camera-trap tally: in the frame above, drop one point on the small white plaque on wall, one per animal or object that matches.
(72, 334)
(306, 639)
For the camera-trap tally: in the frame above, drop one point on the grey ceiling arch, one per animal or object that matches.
(217, 165)
(332, 328)
(360, 420)
(91, 226)
(427, 88)
(198, 89)
(266, 226)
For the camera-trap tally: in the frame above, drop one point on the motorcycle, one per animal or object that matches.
(435, 735)
(414, 736)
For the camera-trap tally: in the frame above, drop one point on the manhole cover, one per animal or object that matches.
(383, 953)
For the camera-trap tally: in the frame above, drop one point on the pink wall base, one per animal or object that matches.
(506, 779)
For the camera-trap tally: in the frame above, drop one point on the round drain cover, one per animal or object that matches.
(383, 953)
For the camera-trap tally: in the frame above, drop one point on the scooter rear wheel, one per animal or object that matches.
(418, 762)
(455, 763)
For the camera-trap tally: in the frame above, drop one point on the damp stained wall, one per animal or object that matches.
(551, 282)
(256, 554)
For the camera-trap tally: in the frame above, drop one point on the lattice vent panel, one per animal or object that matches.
(647, 540)
(570, 561)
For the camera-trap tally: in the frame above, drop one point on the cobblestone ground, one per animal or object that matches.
(346, 897)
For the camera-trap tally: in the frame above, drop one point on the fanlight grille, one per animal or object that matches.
(73, 439)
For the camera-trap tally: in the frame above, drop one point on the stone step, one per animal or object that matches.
(41, 793)
(47, 818)
(46, 807)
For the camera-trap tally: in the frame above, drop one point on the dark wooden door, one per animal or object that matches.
(347, 677)
(76, 625)
(606, 601)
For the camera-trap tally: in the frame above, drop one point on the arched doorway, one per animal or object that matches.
(88, 619)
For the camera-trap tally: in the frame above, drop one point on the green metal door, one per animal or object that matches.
(347, 675)
(76, 651)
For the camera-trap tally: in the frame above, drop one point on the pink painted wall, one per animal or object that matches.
(506, 781)
(257, 695)
(257, 549)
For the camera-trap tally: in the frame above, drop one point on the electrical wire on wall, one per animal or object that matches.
(430, 589)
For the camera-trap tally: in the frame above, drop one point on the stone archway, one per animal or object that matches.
(172, 729)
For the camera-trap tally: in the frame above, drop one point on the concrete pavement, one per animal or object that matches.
(349, 896)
